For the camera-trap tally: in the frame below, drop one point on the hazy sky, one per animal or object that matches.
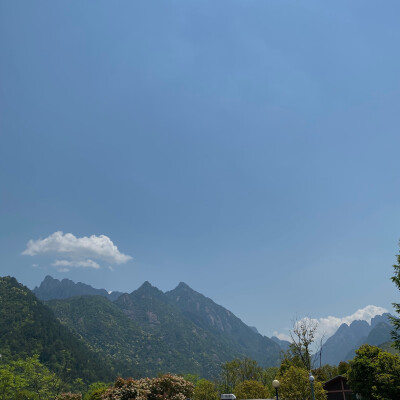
(247, 148)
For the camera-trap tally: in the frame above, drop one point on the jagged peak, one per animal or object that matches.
(183, 285)
(147, 288)
(49, 278)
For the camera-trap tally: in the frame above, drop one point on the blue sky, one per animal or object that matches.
(247, 148)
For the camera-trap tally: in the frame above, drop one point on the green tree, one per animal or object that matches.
(343, 368)
(295, 384)
(325, 372)
(375, 374)
(237, 371)
(95, 391)
(10, 383)
(396, 320)
(205, 390)
(251, 390)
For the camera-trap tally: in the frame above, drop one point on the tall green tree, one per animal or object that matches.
(295, 385)
(10, 382)
(251, 390)
(38, 380)
(375, 374)
(205, 390)
(396, 320)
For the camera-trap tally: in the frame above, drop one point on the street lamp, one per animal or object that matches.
(311, 379)
(275, 384)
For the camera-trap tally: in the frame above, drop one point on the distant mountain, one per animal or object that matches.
(342, 345)
(214, 318)
(28, 327)
(51, 289)
(283, 344)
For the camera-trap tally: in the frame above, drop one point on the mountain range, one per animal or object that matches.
(148, 331)
(98, 335)
(342, 345)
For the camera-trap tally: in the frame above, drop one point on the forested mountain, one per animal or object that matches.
(342, 345)
(51, 289)
(28, 327)
(184, 346)
(145, 332)
(105, 328)
(212, 317)
(148, 331)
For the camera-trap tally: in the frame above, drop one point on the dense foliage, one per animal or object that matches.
(295, 384)
(396, 306)
(28, 327)
(375, 374)
(205, 390)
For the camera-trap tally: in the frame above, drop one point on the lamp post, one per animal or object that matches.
(311, 379)
(275, 384)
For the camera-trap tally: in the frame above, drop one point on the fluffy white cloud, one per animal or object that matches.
(329, 325)
(85, 263)
(79, 252)
(282, 336)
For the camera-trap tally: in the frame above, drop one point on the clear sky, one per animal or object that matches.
(248, 148)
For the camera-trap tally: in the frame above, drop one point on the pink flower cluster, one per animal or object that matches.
(166, 387)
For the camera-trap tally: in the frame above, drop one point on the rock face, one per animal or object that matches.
(51, 289)
(342, 345)
(212, 317)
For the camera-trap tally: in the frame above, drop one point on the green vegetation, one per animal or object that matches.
(68, 349)
(28, 327)
(296, 385)
(105, 328)
(205, 390)
(396, 320)
(375, 374)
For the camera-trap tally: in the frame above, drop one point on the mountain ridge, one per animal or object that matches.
(51, 289)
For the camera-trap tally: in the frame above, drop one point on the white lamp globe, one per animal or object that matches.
(275, 383)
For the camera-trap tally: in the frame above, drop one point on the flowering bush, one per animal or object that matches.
(167, 387)
(69, 396)
(170, 387)
(126, 389)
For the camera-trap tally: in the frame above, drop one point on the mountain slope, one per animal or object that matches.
(28, 327)
(185, 347)
(210, 316)
(283, 344)
(105, 328)
(341, 346)
(51, 289)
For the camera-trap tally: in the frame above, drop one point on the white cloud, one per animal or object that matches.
(86, 263)
(328, 326)
(282, 336)
(79, 252)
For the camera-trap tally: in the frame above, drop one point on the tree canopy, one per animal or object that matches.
(375, 374)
